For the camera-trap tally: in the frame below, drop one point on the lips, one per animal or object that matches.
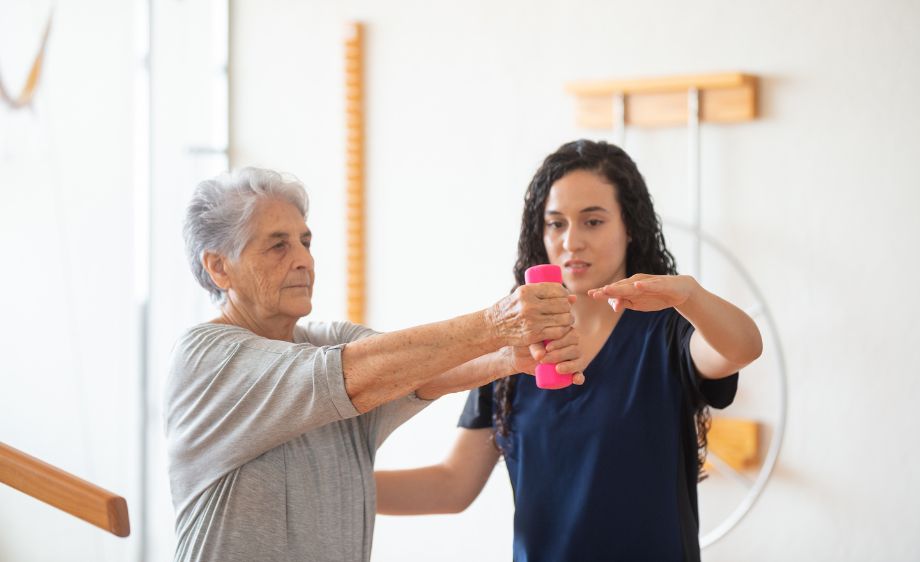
(305, 284)
(576, 265)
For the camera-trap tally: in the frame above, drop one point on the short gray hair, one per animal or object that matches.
(218, 216)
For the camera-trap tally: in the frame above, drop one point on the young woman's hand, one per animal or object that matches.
(647, 293)
(564, 353)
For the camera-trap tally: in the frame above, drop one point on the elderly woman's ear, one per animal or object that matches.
(214, 264)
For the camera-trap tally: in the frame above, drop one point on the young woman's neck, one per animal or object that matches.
(593, 314)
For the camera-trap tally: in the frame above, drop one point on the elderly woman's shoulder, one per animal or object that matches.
(331, 333)
(213, 329)
(212, 333)
(319, 334)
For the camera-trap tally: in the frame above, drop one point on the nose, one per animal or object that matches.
(573, 241)
(303, 259)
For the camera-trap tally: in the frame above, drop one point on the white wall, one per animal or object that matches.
(68, 384)
(819, 197)
(188, 114)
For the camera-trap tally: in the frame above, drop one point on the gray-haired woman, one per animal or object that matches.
(273, 426)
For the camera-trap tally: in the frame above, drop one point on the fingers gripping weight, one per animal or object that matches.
(547, 377)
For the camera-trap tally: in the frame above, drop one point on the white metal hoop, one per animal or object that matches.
(776, 440)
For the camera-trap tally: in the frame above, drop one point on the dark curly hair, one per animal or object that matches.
(646, 252)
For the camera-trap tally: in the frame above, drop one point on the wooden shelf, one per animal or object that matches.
(735, 441)
(656, 102)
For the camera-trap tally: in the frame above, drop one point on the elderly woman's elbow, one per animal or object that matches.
(363, 399)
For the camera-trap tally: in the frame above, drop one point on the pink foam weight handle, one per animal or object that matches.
(547, 377)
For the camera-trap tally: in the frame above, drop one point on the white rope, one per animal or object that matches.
(25, 97)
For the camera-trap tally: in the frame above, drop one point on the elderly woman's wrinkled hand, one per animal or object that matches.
(532, 313)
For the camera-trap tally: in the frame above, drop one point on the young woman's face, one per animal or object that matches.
(583, 231)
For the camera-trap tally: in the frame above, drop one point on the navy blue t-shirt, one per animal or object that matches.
(608, 470)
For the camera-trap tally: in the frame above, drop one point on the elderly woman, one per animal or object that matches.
(273, 426)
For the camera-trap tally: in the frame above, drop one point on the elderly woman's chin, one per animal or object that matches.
(297, 304)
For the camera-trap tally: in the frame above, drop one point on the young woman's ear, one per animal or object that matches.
(215, 264)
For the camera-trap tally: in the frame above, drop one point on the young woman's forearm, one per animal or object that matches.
(448, 487)
(477, 372)
(416, 491)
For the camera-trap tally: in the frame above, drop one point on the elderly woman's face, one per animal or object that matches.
(273, 276)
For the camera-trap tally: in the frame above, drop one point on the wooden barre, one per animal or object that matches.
(64, 491)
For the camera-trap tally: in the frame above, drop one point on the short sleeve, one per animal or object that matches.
(477, 412)
(232, 395)
(718, 393)
(332, 333)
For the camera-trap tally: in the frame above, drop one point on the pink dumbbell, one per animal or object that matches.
(547, 377)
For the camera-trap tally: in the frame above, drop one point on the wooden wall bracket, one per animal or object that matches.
(655, 102)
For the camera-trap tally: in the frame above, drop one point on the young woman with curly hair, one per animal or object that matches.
(608, 469)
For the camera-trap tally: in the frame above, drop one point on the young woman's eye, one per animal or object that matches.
(594, 222)
(553, 224)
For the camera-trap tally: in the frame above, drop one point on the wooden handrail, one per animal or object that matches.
(64, 491)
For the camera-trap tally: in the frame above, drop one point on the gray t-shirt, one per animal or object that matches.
(268, 458)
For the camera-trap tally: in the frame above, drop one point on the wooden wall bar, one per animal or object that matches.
(354, 166)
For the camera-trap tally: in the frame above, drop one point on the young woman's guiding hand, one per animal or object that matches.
(647, 293)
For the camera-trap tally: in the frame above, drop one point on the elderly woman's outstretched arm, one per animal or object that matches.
(563, 352)
(439, 358)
